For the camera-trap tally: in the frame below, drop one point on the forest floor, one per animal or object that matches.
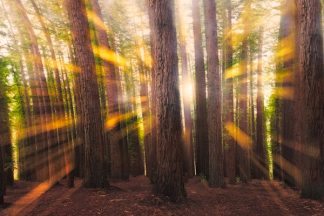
(134, 197)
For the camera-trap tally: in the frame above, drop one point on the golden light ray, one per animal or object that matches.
(287, 166)
(95, 19)
(286, 93)
(244, 140)
(109, 55)
(41, 128)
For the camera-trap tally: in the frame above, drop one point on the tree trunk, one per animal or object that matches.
(287, 109)
(310, 100)
(169, 176)
(89, 111)
(112, 96)
(229, 101)
(202, 155)
(244, 151)
(214, 111)
(261, 166)
(186, 98)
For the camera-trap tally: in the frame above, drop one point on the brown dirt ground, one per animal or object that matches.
(135, 198)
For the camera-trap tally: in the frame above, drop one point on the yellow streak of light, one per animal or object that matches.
(21, 205)
(240, 136)
(41, 128)
(114, 119)
(287, 166)
(284, 93)
(109, 55)
(96, 20)
(284, 77)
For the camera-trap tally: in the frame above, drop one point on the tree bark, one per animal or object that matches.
(89, 111)
(261, 166)
(229, 100)
(201, 145)
(214, 111)
(169, 176)
(310, 100)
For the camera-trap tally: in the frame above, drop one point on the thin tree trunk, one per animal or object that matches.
(244, 151)
(201, 145)
(229, 100)
(261, 156)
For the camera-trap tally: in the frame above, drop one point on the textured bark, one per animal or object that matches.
(261, 166)
(228, 97)
(214, 110)
(201, 144)
(169, 175)
(310, 100)
(112, 97)
(89, 111)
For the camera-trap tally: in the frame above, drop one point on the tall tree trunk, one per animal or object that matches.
(169, 176)
(261, 166)
(112, 96)
(310, 91)
(186, 98)
(90, 115)
(228, 97)
(201, 145)
(244, 151)
(214, 110)
(287, 105)
(151, 147)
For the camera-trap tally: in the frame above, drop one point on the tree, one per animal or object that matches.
(186, 94)
(216, 170)
(228, 97)
(310, 100)
(202, 154)
(89, 110)
(169, 176)
(112, 95)
(260, 157)
(244, 151)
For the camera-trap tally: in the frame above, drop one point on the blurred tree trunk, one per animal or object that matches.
(169, 176)
(244, 151)
(90, 115)
(214, 111)
(201, 144)
(112, 96)
(186, 98)
(228, 97)
(261, 170)
(40, 101)
(286, 82)
(151, 147)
